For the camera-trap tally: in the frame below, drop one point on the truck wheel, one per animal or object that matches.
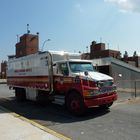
(75, 104)
(20, 94)
(106, 106)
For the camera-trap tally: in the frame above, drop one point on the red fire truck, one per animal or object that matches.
(62, 78)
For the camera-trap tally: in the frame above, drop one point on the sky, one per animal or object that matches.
(71, 25)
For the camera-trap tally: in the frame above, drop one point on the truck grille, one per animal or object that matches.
(105, 83)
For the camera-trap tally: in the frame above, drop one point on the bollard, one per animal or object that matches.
(135, 89)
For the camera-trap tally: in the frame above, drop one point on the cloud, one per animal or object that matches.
(127, 5)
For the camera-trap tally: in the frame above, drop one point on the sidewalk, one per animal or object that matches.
(16, 127)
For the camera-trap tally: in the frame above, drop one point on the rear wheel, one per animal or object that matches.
(75, 104)
(20, 94)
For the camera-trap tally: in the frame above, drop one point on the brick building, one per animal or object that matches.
(28, 44)
(98, 50)
(132, 60)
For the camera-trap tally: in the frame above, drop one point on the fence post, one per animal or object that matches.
(135, 89)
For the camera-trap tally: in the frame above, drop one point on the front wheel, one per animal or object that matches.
(75, 104)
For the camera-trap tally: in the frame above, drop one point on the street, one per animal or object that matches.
(121, 122)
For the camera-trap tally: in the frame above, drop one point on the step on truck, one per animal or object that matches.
(60, 77)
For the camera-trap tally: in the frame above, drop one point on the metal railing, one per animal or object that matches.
(128, 88)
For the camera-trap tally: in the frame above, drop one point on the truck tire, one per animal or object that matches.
(20, 94)
(106, 106)
(75, 104)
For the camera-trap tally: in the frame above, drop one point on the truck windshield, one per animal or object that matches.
(81, 66)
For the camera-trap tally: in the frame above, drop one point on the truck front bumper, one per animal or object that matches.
(90, 102)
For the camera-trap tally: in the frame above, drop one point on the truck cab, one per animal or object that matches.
(80, 80)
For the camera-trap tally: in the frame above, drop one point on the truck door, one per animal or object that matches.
(62, 76)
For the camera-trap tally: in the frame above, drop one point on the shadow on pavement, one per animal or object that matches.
(48, 114)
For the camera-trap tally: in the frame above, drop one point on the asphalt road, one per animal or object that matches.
(121, 122)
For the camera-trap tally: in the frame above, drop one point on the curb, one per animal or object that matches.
(50, 131)
(126, 100)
